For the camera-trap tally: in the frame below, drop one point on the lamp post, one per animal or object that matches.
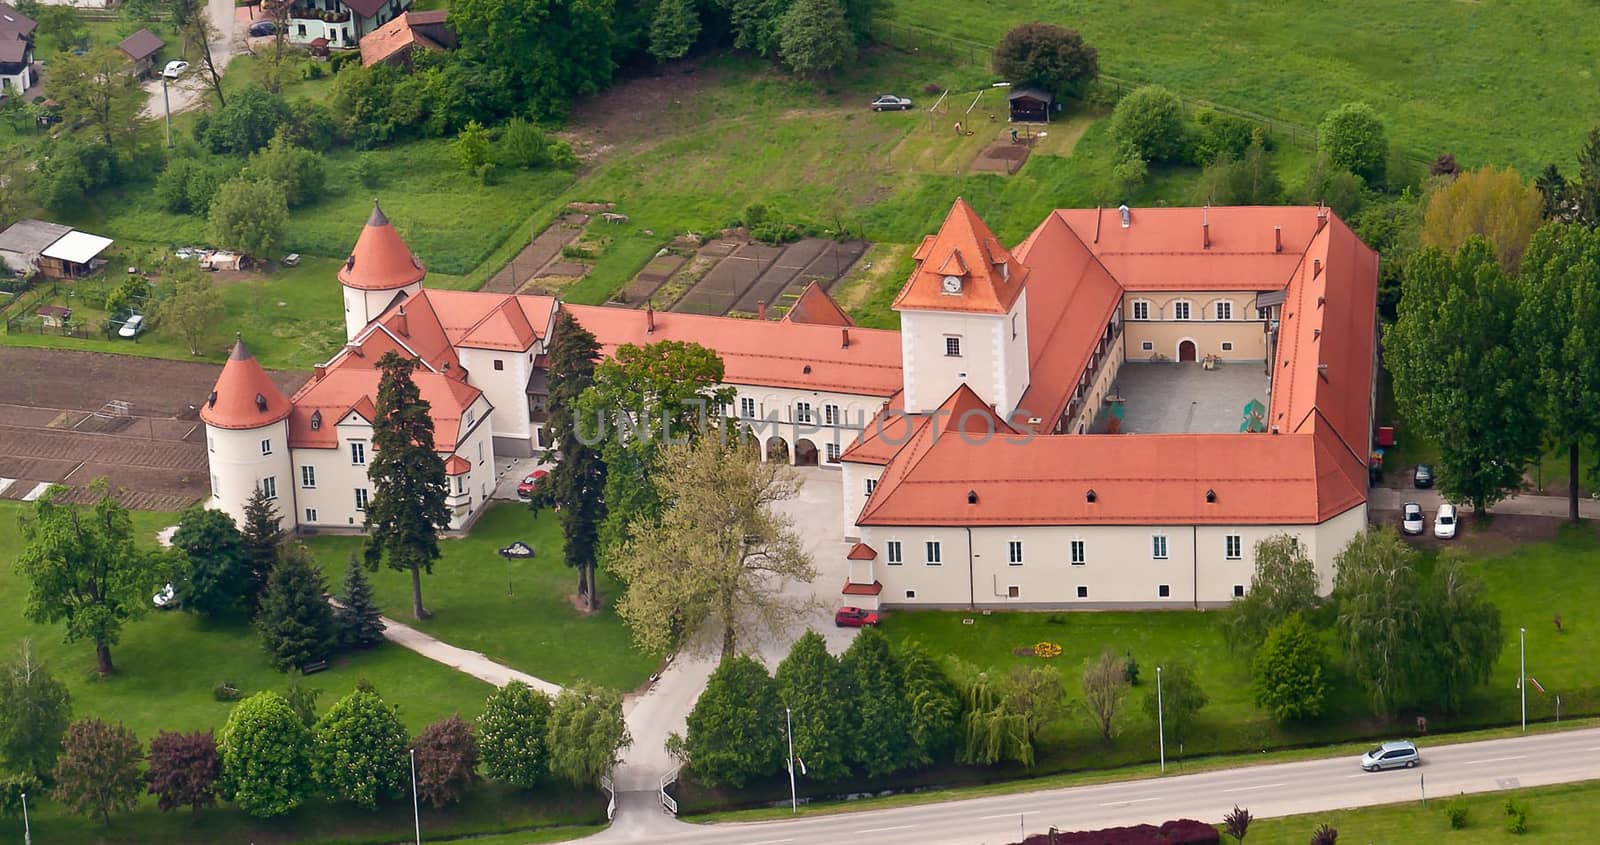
(788, 730)
(416, 816)
(1161, 723)
(27, 830)
(1522, 675)
(167, 105)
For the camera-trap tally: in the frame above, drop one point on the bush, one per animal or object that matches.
(266, 765)
(368, 170)
(1353, 138)
(249, 120)
(1289, 671)
(1456, 812)
(226, 691)
(300, 172)
(1221, 134)
(359, 750)
(1516, 816)
(1151, 119)
(1178, 832)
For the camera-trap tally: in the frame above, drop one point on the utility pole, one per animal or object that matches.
(167, 103)
(1522, 677)
(416, 816)
(1161, 722)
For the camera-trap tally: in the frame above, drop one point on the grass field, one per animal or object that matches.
(536, 629)
(1468, 78)
(1563, 813)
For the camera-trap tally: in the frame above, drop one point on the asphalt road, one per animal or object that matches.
(1272, 790)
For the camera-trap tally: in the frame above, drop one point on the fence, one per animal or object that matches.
(34, 325)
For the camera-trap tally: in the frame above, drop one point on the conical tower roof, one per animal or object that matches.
(244, 396)
(987, 279)
(380, 259)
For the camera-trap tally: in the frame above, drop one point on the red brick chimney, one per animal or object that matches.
(400, 324)
(761, 309)
(649, 318)
(844, 332)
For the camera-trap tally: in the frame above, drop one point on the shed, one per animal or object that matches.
(141, 49)
(75, 255)
(222, 260)
(54, 316)
(1030, 105)
(319, 47)
(21, 244)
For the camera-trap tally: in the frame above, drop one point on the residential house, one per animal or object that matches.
(16, 51)
(23, 241)
(395, 41)
(141, 49)
(344, 23)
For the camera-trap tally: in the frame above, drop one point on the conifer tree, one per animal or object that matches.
(263, 533)
(577, 481)
(360, 623)
(408, 481)
(295, 622)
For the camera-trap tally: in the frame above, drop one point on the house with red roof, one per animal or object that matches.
(1109, 414)
(343, 23)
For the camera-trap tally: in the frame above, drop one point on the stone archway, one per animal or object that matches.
(1186, 350)
(778, 450)
(805, 453)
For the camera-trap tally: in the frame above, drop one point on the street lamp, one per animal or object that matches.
(788, 730)
(170, 72)
(416, 817)
(1522, 675)
(1161, 723)
(27, 830)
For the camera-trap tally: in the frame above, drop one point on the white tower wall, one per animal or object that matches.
(238, 466)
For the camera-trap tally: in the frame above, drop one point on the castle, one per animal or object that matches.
(1110, 414)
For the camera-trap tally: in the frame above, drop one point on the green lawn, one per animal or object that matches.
(1468, 78)
(536, 629)
(1563, 813)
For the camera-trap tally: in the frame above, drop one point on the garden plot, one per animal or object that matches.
(737, 276)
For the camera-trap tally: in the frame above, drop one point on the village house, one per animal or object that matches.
(343, 23)
(141, 49)
(396, 41)
(16, 51)
(1111, 414)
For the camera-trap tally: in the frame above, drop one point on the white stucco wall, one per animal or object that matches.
(776, 411)
(987, 362)
(237, 467)
(507, 388)
(361, 306)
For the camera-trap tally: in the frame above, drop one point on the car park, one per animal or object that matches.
(1396, 754)
(854, 617)
(1411, 519)
(890, 102)
(1422, 478)
(530, 483)
(1444, 522)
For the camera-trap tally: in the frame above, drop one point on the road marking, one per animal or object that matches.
(1001, 816)
(901, 827)
(1495, 760)
(772, 841)
(1248, 788)
(1362, 775)
(1129, 801)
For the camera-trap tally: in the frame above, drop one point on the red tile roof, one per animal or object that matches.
(348, 388)
(244, 397)
(1164, 248)
(991, 280)
(862, 589)
(457, 465)
(397, 35)
(815, 306)
(380, 259)
(861, 551)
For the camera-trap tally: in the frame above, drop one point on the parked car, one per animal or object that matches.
(132, 326)
(1444, 523)
(1423, 477)
(291, 260)
(1411, 519)
(260, 28)
(890, 102)
(854, 617)
(526, 488)
(174, 69)
(1398, 754)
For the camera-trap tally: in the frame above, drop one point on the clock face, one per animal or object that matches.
(952, 284)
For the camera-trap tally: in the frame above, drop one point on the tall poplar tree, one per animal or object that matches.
(408, 481)
(576, 484)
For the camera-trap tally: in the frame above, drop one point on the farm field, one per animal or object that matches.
(1465, 78)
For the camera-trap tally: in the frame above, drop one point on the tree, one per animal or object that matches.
(295, 623)
(60, 27)
(576, 483)
(194, 310)
(69, 170)
(471, 147)
(84, 569)
(263, 536)
(248, 123)
(935, 709)
(1460, 631)
(1285, 583)
(192, 19)
(358, 751)
(814, 38)
(1461, 378)
(184, 770)
(1586, 191)
(1555, 195)
(266, 756)
(1250, 180)
(544, 51)
(1048, 56)
(1324, 835)
(755, 24)
(359, 621)
(1151, 119)
(299, 172)
(736, 727)
(1180, 699)
(1128, 172)
(810, 685)
(587, 734)
(523, 144)
(674, 30)
(407, 509)
(98, 771)
(100, 91)
(301, 697)
(1377, 586)
(248, 216)
(512, 731)
(37, 708)
(447, 760)
(217, 573)
(1560, 305)
(1289, 671)
(880, 736)
(1353, 138)
(1105, 687)
(720, 555)
(1237, 823)
(1493, 204)
(653, 394)
(1004, 715)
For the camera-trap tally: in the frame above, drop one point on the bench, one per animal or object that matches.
(313, 667)
(613, 217)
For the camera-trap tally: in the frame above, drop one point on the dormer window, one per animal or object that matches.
(261, 402)
(316, 420)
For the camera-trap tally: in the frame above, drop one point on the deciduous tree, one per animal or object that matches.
(576, 483)
(814, 38)
(295, 622)
(1380, 617)
(248, 123)
(37, 708)
(1105, 688)
(447, 761)
(299, 171)
(407, 509)
(1004, 715)
(100, 91)
(1493, 204)
(1289, 671)
(735, 731)
(720, 556)
(184, 770)
(1285, 583)
(1151, 119)
(1049, 56)
(934, 714)
(216, 574)
(1461, 635)
(84, 569)
(358, 750)
(1237, 823)
(248, 216)
(1180, 700)
(194, 311)
(587, 734)
(547, 51)
(755, 24)
(512, 735)
(266, 756)
(359, 621)
(98, 770)
(1353, 139)
(811, 686)
(674, 29)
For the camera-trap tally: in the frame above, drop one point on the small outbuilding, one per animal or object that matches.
(75, 255)
(396, 41)
(23, 241)
(1030, 105)
(54, 316)
(141, 49)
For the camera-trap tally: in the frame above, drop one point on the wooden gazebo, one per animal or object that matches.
(1030, 105)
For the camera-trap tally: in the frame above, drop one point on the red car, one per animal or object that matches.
(525, 489)
(854, 617)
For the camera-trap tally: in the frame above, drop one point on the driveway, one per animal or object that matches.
(190, 91)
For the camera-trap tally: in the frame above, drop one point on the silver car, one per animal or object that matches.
(1398, 754)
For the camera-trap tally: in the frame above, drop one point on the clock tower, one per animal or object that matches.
(964, 317)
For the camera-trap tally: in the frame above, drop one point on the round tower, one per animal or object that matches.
(379, 268)
(247, 438)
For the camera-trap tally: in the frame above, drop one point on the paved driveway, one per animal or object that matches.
(190, 91)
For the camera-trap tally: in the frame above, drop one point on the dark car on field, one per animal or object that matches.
(1423, 477)
(854, 617)
(260, 28)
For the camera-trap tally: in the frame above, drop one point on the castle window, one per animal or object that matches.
(1078, 557)
(308, 477)
(872, 484)
(316, 420)
(1141, 309)
(269, 487)
(1014, 552)
(892, 553)
(1158, 547)
(1232, 546)
(1180, 310)
(361, 498)
(1224, 310)
(266, 448)
(747, 408)
(802, 412)
(934, 556)
(830, 414)
(833, 452)
(358, 454)
(499, 364)
(311, 514)
(952, 346)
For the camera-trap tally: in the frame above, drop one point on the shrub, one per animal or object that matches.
(300, 172)
(249, 120)
(1353, 139)
(98, 770)
(184, 770)
(266, 766)
(368, 170)
(359, 750)
(1324, 835)
(1151, 119)
(226, 691)
(1130, 670)
(1516, 816)
(511, 734)
(1289, 673)
(447, 761)
(1456, 812)
(1221, 134)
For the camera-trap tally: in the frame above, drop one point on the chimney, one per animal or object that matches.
(649, 317)
(1127, 217)
(318, 372)
(1322, 216)
(761, 309)
(1205, 235)
(400, 324)
(1097, 223)
(1277, 239)
(844, 332)
(1316, 267)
